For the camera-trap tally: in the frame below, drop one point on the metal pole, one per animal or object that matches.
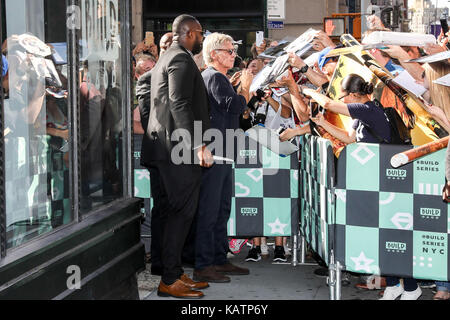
(331, 278)
(294, 250)
(338, 286)
(303, 250)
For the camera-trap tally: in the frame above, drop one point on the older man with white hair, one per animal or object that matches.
(226, 105)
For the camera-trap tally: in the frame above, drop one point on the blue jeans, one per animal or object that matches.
(442, 286)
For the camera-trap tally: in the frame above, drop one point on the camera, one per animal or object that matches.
(280, 130)
(255, 100)
(315, 108)
(260, 114)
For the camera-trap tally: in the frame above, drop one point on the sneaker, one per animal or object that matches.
(279, 254)
(393, 292)
(236, 245)
(254, 254)
(411, 295)
(264, 249)
(287, 250)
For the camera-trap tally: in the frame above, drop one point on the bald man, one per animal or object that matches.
(165, 42)
(178, 99)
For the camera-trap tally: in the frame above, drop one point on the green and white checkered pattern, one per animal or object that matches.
(265, 193)
(386, 221)
(265, 197)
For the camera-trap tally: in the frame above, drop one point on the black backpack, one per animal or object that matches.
(400, 134)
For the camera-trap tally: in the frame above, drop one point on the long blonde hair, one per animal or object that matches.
(439, 94)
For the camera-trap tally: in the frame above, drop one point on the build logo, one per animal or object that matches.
(396, 174)
(430, 213)
(249, 211)
(247, 153)
(392, 246)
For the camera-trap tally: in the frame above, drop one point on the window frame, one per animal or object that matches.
(73, 100)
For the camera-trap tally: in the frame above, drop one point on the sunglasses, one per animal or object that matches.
(201, 32)
(344, 96)
(230, 51)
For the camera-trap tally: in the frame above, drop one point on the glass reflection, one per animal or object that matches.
(36, 132)
(100, 104)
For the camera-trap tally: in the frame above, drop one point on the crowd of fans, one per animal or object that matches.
(292, 111)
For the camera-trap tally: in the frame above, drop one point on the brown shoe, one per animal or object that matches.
(188, 282)
(211, 275)
(231, 269)
(178, 290)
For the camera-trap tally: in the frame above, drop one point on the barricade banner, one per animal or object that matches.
(385, 221)
(265, 198)
(265, 193)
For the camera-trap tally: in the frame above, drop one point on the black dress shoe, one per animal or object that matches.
(231, 269)
(209, 274)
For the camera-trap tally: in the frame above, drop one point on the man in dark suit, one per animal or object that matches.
(178, 99)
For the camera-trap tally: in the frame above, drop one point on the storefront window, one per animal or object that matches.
(44, 177)
(36, 130)
(101, 95)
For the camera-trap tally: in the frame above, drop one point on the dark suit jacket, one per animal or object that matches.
(178, 98)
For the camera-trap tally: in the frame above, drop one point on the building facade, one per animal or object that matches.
(69, 226)
(424, 15)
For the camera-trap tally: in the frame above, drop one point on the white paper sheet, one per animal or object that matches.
(406, 81)
(445, 80)
(271, 140)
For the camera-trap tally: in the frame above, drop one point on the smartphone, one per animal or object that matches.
(314, 109)
(444, 25)
(259, 38)
(149, 38)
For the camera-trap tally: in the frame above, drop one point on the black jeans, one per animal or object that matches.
(214, 207)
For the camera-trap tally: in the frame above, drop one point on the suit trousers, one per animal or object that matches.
(214, 207)
(180, 188)
(157, 221)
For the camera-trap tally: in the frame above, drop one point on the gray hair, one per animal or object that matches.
(212, 42)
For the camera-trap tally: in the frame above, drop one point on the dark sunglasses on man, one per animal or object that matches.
(230, 51)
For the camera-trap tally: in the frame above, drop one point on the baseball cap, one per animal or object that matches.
(4, 66)
(322, 59)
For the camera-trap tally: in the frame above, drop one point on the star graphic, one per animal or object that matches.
(277, 226)
(143, 174)
(365, 265)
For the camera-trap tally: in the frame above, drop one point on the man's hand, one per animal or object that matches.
(205, 157)
(288, 134)
(288, 82)
(295, 61)
(246, 79)
(396, 52)
(446, 192)
(374, 22)
(433, 48)
(235, 78)
(322, 41)
(319, 119)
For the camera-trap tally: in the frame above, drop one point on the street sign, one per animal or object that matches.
(276, 9)
(275, 24)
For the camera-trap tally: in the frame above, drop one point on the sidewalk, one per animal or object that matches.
(268, 281)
